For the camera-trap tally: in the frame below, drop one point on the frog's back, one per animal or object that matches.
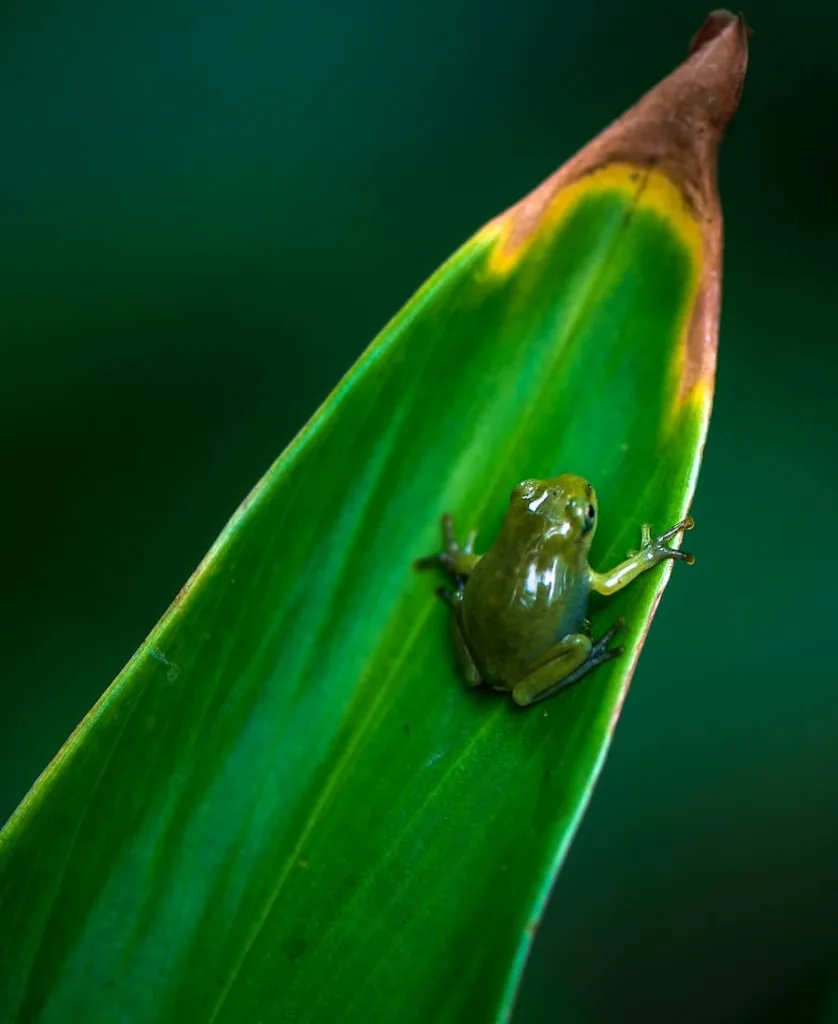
(521, 599)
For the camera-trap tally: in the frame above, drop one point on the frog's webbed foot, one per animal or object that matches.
(600, 651)
(658, 547)
(571, 660)
(457, 561)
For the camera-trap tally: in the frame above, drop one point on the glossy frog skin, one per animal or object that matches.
(520, 610)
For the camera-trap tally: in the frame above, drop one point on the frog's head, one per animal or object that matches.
(566, 504)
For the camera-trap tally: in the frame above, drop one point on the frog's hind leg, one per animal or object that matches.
(565, 664)
(468, 666)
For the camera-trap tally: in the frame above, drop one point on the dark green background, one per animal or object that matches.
(208, 210)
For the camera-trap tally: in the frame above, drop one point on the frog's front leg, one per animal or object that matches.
(650, 554)
(565, 664)
(457, 561)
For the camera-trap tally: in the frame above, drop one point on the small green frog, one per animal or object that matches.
(520, 610)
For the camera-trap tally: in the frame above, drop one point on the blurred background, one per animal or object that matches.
(207, 210)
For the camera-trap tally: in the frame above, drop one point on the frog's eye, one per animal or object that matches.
(591, 511)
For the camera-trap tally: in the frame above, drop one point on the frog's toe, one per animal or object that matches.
(449, 535)
(660, 544)
(687, 523)
(600, 649)
(430, 562)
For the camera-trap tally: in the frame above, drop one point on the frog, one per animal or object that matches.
(520, 610)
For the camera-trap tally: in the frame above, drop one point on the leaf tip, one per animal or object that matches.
(714, 24)
(679, 123)
(675, 128)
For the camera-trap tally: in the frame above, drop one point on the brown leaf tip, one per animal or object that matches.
(676, 128)
(716, 23)
(717, 60)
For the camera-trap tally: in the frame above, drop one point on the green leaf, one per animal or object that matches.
(288, 806)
